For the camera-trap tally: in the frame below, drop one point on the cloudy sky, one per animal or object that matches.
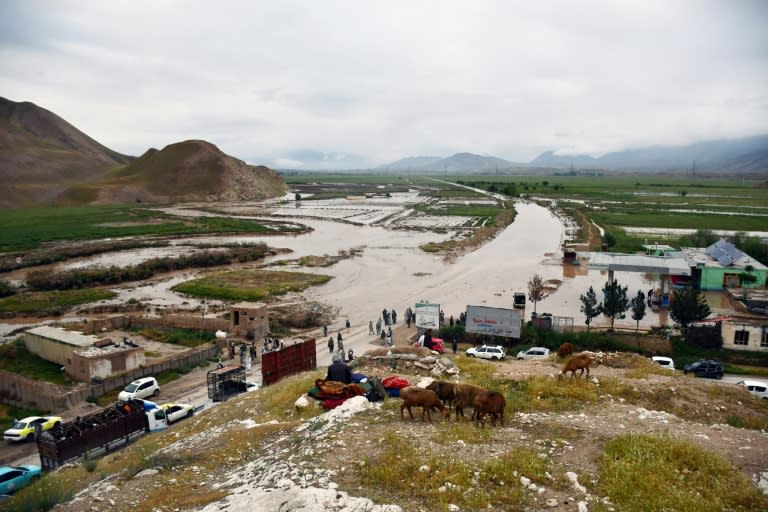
(371, 82)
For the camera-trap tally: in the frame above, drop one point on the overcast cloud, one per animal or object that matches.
(269, 82)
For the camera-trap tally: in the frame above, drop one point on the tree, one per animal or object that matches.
(747, 279)
(615, 301)
(638, 309)
(535, 290)
(687, 306)
(589, 306)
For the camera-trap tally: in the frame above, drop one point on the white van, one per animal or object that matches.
(140, 388)
(666, 362)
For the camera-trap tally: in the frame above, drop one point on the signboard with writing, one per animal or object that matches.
(493, 321)
(427, 315)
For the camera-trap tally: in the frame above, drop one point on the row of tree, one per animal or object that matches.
(687, 305)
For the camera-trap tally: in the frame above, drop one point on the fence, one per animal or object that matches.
(209, 324)
(20, 391)
(292, 359)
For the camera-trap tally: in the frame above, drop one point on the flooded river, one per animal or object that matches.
(392, 272)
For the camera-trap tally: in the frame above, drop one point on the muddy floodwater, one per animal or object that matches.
(393, 272)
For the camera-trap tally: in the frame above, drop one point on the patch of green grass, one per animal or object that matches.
(249, 285)
(52, 303)
(15, 358)
(746, 421)
(642, 472)
(427, 480)
(28, 228)
(551, 395)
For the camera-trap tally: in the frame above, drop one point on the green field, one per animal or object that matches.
(29, 228)
(249, 285)
(51, 303)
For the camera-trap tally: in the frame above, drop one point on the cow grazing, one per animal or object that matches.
(489, 402)
(444, 390)
(578, 362)
(425, 398)
(565, 350)
(464, 395)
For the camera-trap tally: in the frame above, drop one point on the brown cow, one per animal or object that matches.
(578, 362)
(426, 398)
(565, 350)
(464, 395)
(489, 402)
(444, 390)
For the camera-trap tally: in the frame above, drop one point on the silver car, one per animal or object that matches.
(533, 353)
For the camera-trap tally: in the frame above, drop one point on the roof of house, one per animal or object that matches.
(74, 338)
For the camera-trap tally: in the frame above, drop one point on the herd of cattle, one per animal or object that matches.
(440, 395)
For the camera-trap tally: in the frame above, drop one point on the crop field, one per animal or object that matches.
(29, 228)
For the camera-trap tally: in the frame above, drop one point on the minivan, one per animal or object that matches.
(140, 388)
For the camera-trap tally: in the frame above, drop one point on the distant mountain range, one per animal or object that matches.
(745, 155)
(46, 160)
(460, 162)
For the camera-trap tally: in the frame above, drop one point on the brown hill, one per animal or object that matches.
(41, 155)
(45, 160)
(192, 170)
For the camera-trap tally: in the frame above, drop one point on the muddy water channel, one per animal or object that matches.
(392, 272)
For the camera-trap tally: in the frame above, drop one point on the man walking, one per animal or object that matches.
(330, 344)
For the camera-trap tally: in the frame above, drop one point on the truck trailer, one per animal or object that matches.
(100, 432)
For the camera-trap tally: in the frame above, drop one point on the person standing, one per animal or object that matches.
(330, 344)
(378, 326)
(325, 330)
(394, 317)
(454, 345)
(370, 327)
(338, 337)
(389, 336)
(348, 324)
(340, 347)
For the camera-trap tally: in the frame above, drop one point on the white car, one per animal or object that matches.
(756, 387)
(533, 353)
(494, 352)
(176, 412)
(665, 362)
(140, 388)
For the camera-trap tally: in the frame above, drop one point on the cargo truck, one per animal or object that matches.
(101, 432)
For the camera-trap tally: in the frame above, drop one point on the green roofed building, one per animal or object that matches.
(722, 265)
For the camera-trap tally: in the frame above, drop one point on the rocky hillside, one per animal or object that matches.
(557, 451)
(41, 155)
(192, 170)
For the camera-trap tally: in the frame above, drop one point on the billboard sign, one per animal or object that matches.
(427, 315)
(493, 321)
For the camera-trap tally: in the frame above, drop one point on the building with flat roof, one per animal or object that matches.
(722, 265)
(84, 357)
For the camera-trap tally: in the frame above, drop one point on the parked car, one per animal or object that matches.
(176, 412)
(756, 387)
(494, 352)
(533, 353)
(13, 478)
(24, 430)
(665, 362)
(705, 368)
(140, 388)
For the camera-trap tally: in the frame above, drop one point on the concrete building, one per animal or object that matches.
(749, 335)
(83, 357)
(249, 321)
(722, 265)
